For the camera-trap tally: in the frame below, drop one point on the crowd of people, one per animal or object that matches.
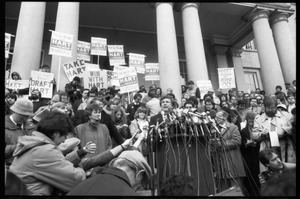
(95, 142)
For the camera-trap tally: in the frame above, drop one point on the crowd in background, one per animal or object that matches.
(93, 123)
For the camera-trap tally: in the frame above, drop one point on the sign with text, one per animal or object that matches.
(16, 84)
(137, 61)
(98, 46)
(89, 66)
(116, 55)
(61, 44)
(204, 86)
(127, 78)
(83, 50)
(97, 78)
(112, 78)
(151, 71)
(226, 78)
(74, 68)
(7, 44)
(43, 82)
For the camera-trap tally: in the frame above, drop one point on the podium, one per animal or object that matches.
(184, 152)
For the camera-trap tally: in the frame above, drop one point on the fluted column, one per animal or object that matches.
(67, 21)
(271, 73)
(238, 68)
(193, 42)
(29, 38)
(286, 47)
(167, 49)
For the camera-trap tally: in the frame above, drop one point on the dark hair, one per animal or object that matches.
(39, 93)
(194, 100)
(209, 100)
(90, 107)
(158, 88)
(189, 102)
(152, 93)
(226, 98)
(207, 95)
(137, 95)
(165, 97)
(55, 122)
(278, 86)
(12, 96)
(123, 115)
(265, 155)
(242, 102)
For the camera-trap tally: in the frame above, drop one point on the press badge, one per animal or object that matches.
(273, 135)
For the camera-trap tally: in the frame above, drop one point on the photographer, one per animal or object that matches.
(74, 89)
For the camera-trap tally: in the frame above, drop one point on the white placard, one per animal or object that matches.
(74, 68)
(226, 78)
(83, 50)
(137, 61)
(43, 82)
(61, 44)
(98, 46)
(152, 72)
(116, 55)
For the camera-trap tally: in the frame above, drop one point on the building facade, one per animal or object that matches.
(190, 41)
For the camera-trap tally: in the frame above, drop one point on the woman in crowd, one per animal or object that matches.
(121, 121)
(158, 92)
(140, 125)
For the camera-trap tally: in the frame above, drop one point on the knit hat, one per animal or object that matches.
(138, 159)
(23, 107)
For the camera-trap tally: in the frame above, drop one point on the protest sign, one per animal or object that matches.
(61, 44)
(43, 82)
(226, 78)
(137, 61)
(83, 50)
(127, 78)
(112, 78)
(116, 55)
(74, 68)
(204, 86)
(89, 66)
(16, 84)
(151, 71)
(98, 46)
(7, 44)
(97, 78)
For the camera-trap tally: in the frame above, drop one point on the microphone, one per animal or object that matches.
(212, 114)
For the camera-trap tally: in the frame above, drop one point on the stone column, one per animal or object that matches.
(67, 21)
(271, 73)
(238, 68)
(286, 47)
(193, 42)
(29, 38)
(167, 49)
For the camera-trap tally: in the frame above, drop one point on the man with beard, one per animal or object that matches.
(274, 121)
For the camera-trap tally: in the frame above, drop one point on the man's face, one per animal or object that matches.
(278, 89)
(138, 100)
(253, 102)
(117, 99)
(271, 110)
(75, 83)
(275, 163)
(190, 86)
(58, 139)
(220, 118)
(64, 99)
(84, 94)
(188, 106)
(291, 100)
(46, 69)
(166, 104)
(233, 100)
(246, 97)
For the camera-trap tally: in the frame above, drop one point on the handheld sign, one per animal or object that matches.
(43, 82)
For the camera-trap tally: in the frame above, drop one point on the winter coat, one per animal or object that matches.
(231, 157)
(111, 181)
(284, 132)
(12, 133)
(42, 166)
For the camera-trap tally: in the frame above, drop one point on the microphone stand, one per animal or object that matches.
(150, 134)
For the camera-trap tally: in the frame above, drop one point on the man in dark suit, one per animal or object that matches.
(85, 96)
(166, 107)
(131, 109)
